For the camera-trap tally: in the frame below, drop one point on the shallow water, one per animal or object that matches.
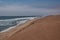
(6, 24)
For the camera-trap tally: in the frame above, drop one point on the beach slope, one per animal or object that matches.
(47, 28)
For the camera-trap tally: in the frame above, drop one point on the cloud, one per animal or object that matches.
(37, 8)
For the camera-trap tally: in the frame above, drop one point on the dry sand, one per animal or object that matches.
(47, 28)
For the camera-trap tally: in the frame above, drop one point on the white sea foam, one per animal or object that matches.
(8, 29)
(18, 21)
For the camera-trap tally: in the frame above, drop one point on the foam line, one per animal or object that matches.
(21, 22)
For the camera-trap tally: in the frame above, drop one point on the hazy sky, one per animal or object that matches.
(29, 7)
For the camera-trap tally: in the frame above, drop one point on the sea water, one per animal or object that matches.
(9, 22)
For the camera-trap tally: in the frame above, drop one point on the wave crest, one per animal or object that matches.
(4, 24)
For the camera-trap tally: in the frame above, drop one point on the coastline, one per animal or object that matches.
(47, 27)
(18, 27)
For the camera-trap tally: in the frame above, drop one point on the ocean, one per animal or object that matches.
(11, 21)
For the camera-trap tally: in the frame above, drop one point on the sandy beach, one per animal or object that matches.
(47, 28)
(4, 35)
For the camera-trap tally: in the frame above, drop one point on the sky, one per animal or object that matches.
(29, 7)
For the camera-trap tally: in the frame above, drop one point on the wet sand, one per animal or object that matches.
(7, 34)
(47, 28)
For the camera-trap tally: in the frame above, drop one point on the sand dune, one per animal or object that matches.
(47, 28)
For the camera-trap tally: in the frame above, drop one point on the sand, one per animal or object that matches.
(10, 32)
(47, 28)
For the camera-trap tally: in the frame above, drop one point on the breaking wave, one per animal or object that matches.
(7, 24)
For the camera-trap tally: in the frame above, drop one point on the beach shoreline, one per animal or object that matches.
(33, 25)
(11, 31)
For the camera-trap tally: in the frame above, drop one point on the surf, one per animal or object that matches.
(8, 24)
